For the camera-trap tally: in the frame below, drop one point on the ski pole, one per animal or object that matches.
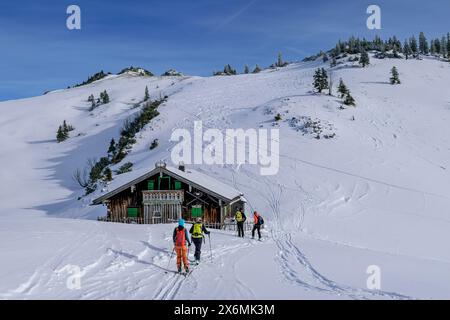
(210, 250)
(170, 259)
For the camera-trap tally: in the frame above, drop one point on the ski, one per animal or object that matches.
(194, 262)
(187, 274)
(171, 271)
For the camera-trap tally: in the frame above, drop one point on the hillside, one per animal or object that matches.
(375, 192)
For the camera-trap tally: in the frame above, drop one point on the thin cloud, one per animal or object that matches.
(234, 16)
(296, 50)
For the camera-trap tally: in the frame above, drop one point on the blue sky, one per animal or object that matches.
(39, 53)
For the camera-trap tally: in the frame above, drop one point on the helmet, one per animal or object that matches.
(181, 222)
(198, 220)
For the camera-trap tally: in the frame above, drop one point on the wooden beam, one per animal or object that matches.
(196, 198)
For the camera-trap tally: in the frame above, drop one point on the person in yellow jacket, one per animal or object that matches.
(240, 219)
(198, 232)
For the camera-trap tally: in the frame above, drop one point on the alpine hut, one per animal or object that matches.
(165, 194)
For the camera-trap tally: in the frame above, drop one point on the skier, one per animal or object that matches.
(197, 232)
(258, 221)
(240, 219)
(180, 237)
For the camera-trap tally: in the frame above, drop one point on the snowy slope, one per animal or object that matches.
(375, 194)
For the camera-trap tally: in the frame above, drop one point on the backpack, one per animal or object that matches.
(180, 238)
(197, 230)
(260, 220)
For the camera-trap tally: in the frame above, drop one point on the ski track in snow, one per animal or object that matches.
(173, 284)
(303, 273)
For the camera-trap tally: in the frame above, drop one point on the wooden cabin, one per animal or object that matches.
(165, 194)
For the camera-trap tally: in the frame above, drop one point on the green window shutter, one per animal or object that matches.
(177, 185)
(151, 185)
(133, 212)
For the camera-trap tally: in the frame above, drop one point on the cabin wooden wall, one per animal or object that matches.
(212, 215)
(118, 205)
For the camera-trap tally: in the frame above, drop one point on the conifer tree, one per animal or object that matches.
(278, 117)
(432, 47)
(228, 70)
(65, 128)
(364, 60)
(342, 88)
(320, 80)
(407, 50)
(317, 81)
(246, 69)
(280, 62)
(423, 44)
(337, 50)
(413, 45)
(443, 47)
(112, 148)
(395, 77)
(105, 97)
(349, 100)
(60, 135)
(324, 78)
(146, 95)
(107, 174)
(448, 45)
(257, 69)
(395, 52)
(437, 46)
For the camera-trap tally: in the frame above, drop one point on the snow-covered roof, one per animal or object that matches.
(197, 179)
(207, 182)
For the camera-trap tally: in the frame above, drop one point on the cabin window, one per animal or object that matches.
(151, 185)
(164, 183)
(177, 185)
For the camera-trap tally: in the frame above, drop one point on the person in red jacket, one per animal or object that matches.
(180, 238)
(258, 221)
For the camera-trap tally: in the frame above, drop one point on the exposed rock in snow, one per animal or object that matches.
(172, 73)
(136, 71)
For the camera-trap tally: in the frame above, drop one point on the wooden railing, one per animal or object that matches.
(227, 226)
(127, 220)
(163, 195)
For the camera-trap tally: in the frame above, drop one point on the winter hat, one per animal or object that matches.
(181, 222)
